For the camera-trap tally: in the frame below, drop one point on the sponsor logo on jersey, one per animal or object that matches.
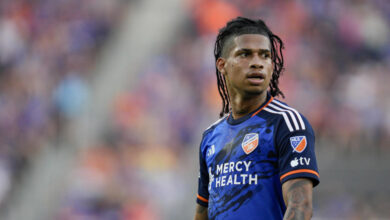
(301, 161)
(298, 143)
(232, 173)
(250, 142)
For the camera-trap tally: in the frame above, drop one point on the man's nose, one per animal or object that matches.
(256, 62)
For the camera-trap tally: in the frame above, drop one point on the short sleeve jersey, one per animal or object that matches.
(244, 162)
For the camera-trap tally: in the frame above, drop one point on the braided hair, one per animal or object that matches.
(240, 26)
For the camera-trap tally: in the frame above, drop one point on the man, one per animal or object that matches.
(257, 161)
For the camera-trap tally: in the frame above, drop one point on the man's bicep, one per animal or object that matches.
(201, 213)
(298, 194)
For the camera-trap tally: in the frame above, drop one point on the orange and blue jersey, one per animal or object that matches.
(244, 162)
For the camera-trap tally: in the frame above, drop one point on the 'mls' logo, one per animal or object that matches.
(298, 143)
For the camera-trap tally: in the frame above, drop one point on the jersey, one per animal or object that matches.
(244, 162)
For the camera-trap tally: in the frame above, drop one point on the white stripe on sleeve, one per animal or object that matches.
(290, 112)
(284, 116)
(295, 111)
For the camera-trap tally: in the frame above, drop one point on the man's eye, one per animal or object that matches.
(266, 55)
(244, 54)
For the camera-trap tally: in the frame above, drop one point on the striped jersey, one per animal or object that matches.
(244, 162)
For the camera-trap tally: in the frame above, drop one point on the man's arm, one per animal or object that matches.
(201, 213)
(297, 194)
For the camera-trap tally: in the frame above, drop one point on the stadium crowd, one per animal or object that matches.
(337, 68)
(47, 51)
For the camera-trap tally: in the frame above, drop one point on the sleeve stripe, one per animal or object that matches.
(219, 120)
(202, 199)
(284, 116)
(295, 111)
(290, 112)
(299, 171)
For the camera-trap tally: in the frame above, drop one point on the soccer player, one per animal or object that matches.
(258, 160)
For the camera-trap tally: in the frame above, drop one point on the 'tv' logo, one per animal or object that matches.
(301, 161)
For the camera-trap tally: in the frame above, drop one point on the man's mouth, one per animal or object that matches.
(256, 78)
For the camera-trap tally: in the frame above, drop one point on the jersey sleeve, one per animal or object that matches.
(296, 151)
(203, 180)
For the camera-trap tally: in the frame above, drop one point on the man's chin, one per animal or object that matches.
(255, 92)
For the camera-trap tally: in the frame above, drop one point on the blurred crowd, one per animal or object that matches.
(47, 51)
(337, 57)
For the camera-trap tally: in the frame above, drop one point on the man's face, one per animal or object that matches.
(247, 64)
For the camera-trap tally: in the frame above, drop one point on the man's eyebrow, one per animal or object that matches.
(265, 50)
(251, 50)
(243, 50)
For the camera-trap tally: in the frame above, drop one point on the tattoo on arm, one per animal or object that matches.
(298, 196)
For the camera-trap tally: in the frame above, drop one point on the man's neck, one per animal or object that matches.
(242, 106)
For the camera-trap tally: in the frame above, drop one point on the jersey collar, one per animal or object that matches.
(233, 121)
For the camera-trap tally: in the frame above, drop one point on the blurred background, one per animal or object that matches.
(103, 103)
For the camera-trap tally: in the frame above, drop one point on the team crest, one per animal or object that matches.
(298, 143)
(250, 142)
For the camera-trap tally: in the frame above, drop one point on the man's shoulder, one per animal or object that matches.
(290, 118)
(215, 124)
(209, 131)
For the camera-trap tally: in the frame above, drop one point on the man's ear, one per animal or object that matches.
(221, 65)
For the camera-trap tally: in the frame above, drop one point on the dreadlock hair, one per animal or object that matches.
(240, 26)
